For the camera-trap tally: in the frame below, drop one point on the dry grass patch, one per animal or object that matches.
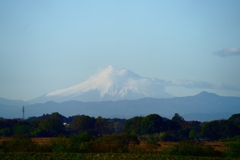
(219, 146)
(41, 140)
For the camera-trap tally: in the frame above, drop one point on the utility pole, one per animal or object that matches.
(23, 113)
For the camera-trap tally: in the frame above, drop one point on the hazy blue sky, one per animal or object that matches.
(47, 45)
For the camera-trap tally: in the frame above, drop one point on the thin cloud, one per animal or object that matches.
(201, 84)
(225, 87)
(190, 83)
(233, 51)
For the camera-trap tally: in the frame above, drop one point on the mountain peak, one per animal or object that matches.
(207, 94)
(111, 84)
(109, 68)
(116, 74)
(113, 71)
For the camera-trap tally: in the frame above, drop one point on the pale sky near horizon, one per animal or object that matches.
(47, 45)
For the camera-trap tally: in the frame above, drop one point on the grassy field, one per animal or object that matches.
(220, 146)
(96, 156)
(144, 151)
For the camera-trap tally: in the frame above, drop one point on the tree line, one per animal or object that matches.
(85, 134)
(152, 127)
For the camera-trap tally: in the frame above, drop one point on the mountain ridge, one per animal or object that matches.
(202, 107)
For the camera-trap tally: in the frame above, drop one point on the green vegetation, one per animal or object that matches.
(115, 146)
(150, 127)
(233, 147)
(192, 148)
(98, 156)
(100, 138)
(18, 144)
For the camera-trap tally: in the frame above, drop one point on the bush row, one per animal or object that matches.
(118, 143)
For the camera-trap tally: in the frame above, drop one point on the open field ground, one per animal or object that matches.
(162, 145)
(220, 146)
(147, 152)
(97, 156)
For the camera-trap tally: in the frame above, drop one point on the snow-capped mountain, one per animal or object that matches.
(109, 84)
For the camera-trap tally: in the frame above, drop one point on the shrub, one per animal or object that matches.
(74, 144)
(60, 144)
(80, 142)
(193, 148)
(118, 143)
(18, 144)
(151, 146)
(5, 132)
(233, 147)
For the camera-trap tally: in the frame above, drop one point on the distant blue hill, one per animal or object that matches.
(202, 107)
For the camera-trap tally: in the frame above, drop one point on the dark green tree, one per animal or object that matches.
(210, 130)
(6, 127)
(233, 147)
(152, 123)
(177, 118)
(235, 118)
(219, 129)
(22, 128)
(133, 125)
(82, 123)
(52, 126)
(6, 132)
(80, 142)
(103, 126)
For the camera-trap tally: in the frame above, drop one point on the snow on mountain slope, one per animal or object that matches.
(110, 84)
